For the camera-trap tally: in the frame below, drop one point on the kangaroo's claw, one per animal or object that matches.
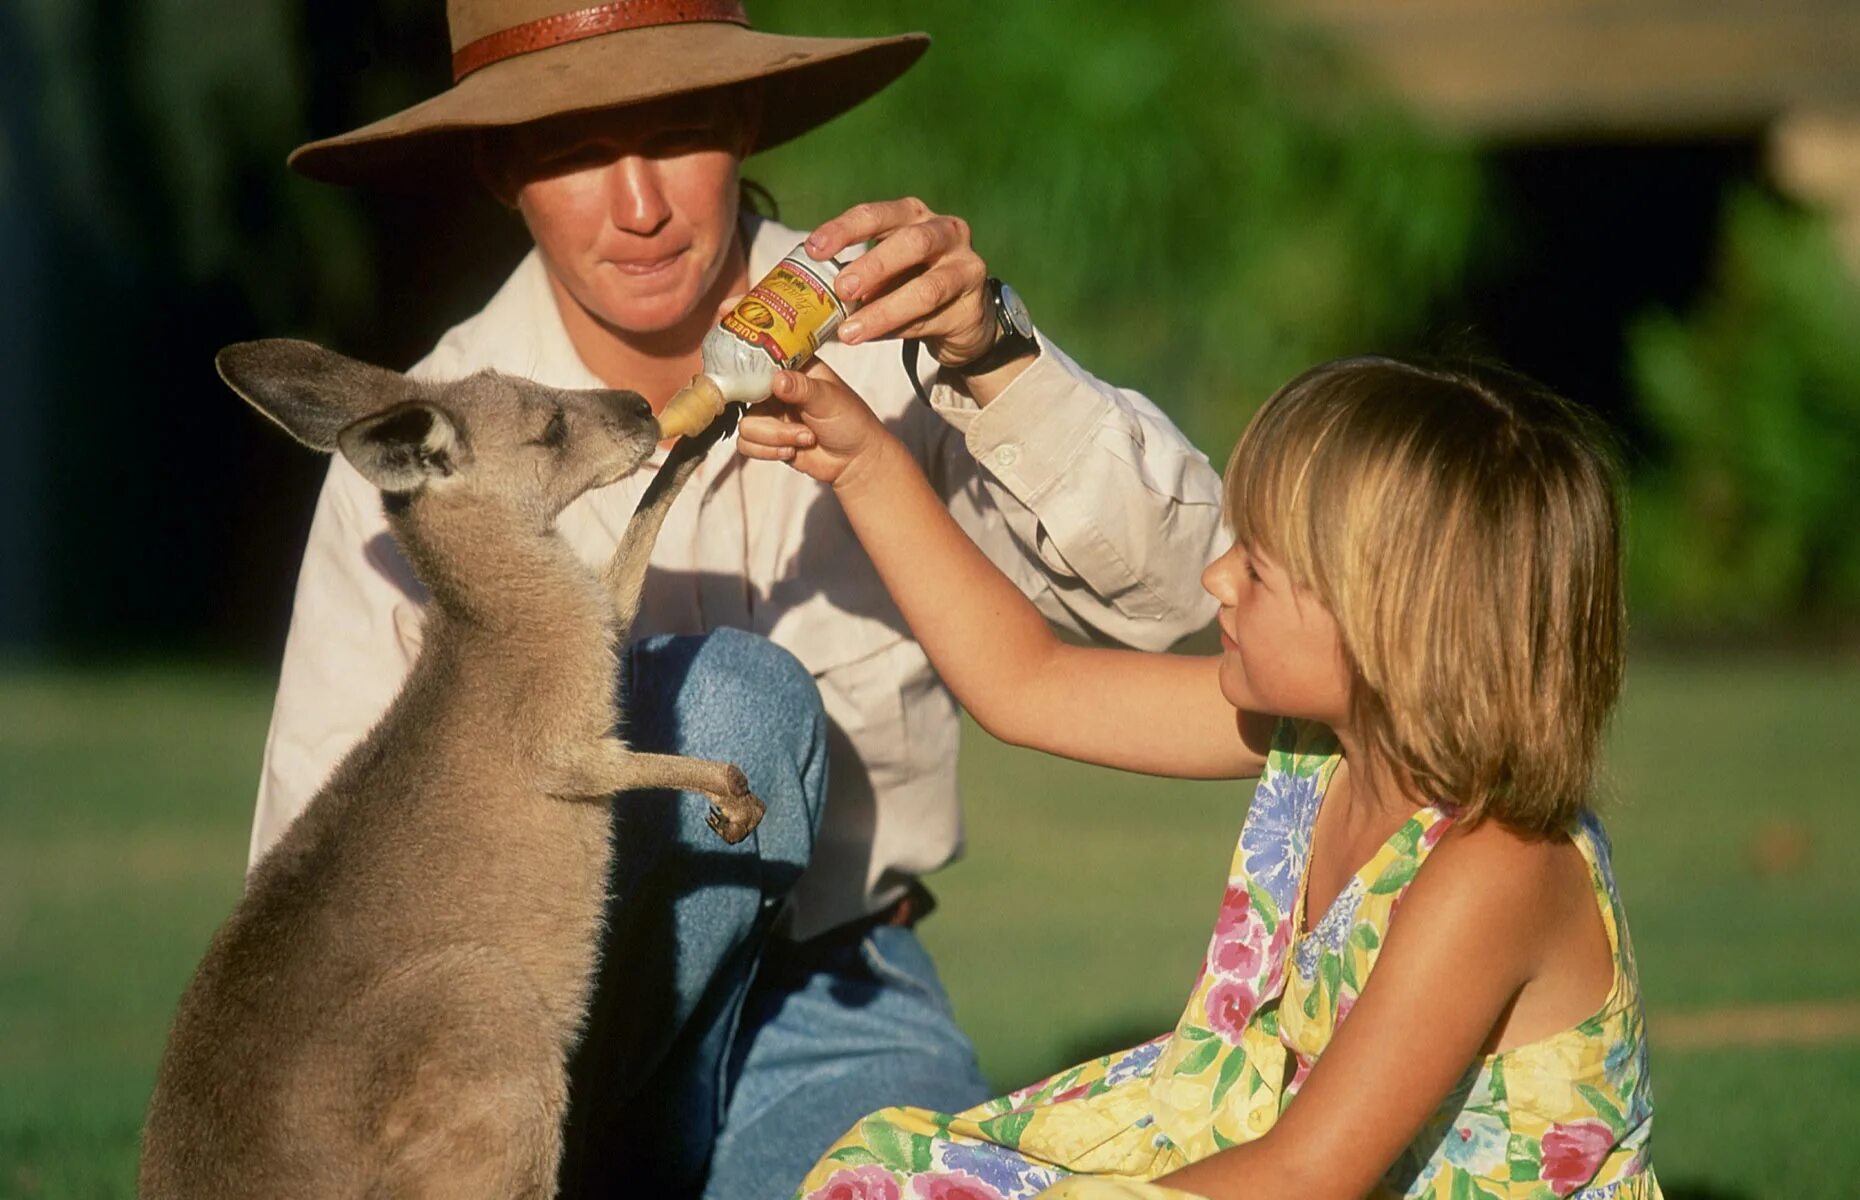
(736, 814)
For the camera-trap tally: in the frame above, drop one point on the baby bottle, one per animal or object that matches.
(778, 325)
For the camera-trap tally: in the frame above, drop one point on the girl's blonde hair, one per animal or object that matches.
(1462, 525)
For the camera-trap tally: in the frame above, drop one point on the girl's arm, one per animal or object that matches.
(1471, 934)
(1158, 713)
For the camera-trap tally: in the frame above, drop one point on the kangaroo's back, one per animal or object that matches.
(391, 1006)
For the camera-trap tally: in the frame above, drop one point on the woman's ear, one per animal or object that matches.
(747, 99)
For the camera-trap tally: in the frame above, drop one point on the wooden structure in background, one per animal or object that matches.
(1787, 71)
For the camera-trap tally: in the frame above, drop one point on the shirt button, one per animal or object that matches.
(1007, 455)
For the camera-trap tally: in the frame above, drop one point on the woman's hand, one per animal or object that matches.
(923, 279)
(817, 425)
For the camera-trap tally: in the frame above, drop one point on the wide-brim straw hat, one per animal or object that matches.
(515, 61)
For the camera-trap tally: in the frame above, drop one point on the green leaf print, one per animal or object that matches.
(1196, 1033)
(1330, 970)
(1525, 1156)
(1349, 971)
(1007, 1129)
(1263, 905)
(1365, 938)
(1230, 1071)
(1198, 1059)
(920, 1152)
(888, 1143)
(1462, 1184)
(1604, 1108)
(1395, 877)
(1222, 1140)
(855, 1156)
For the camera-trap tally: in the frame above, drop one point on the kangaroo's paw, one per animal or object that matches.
(733, 814)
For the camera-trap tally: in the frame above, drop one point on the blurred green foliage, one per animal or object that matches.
(1197, 201)
(1745, 515)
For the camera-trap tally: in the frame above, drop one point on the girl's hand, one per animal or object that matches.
(817, 425)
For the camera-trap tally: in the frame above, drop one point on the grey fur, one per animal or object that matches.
(389, 1010)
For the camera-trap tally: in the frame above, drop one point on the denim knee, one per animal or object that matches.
(743, 699)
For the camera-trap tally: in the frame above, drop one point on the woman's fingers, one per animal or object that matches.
(862, 223)
(912, 248)
(945, 302)
(922, 279)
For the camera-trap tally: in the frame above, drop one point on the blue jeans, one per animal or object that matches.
(719, 1061)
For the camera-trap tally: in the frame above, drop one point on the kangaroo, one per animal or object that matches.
(389, 1010)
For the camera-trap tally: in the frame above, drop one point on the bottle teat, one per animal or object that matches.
(692, 408)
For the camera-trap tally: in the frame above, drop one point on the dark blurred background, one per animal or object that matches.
(1652, 205)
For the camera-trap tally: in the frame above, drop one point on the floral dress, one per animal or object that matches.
(1568, 1115)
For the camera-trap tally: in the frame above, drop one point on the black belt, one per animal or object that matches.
(913, 906)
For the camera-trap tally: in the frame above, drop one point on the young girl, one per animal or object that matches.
(1421, 638)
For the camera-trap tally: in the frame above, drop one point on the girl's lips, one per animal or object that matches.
(1227, 643)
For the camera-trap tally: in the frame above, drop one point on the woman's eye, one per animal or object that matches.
(575, 157)
(678, 140)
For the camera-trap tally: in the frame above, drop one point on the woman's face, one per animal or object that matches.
(634, 210)
(1281, 652)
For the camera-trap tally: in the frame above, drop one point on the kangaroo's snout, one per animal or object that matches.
(626, 406)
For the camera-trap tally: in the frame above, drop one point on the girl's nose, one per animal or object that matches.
(636, 200)
(1218, 581)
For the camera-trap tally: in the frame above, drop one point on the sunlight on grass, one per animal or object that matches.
(1073, 926)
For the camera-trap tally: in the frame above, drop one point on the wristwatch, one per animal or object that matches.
(1013, 330)
(1013, 338)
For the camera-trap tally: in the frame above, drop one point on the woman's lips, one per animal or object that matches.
(644, 266)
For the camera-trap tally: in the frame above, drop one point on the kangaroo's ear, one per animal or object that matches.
(312, 392)
(404, 447)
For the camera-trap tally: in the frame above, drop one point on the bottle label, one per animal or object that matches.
(790, 313)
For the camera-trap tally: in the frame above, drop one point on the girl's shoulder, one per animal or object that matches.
(1527, 880)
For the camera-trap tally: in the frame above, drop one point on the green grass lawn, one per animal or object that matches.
(1074, 925)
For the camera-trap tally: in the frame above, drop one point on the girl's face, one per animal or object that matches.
(1281, 653)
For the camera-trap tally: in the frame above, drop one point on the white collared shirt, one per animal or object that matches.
(1084, 494)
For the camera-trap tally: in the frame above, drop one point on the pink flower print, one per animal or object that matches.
(1346, 1000)
(1230, 1004)
(955, 1185)
(1237, 949)
(857, 1183)
(1573, 1153)
(1302, 1067)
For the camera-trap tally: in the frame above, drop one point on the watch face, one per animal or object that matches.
(1014, 312)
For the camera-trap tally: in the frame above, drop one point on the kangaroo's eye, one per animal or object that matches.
(555, 433)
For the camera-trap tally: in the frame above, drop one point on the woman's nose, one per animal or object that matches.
(636, 201)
